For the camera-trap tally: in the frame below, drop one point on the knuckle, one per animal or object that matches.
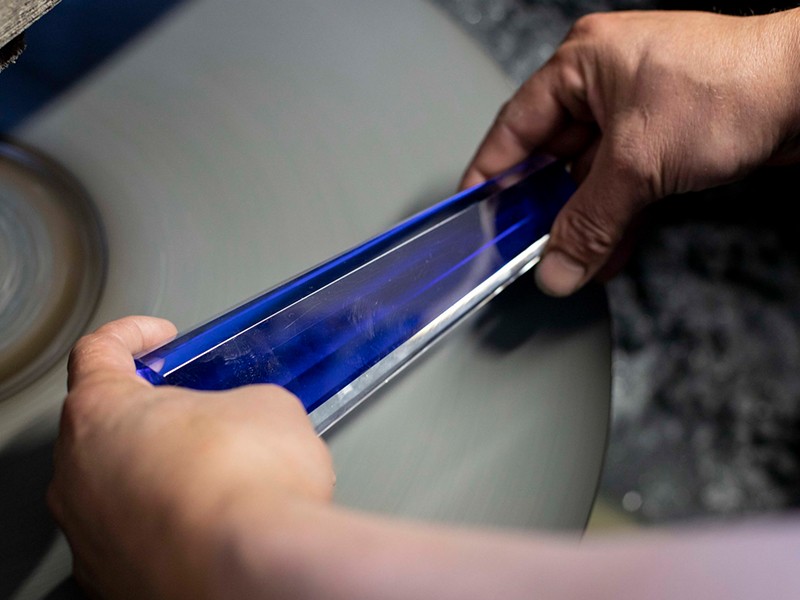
(85, 351)
(637, 164)
(630, 160)
(507, 114)
(567, 70)
(589, 236)
(513, 121)
(80, 349)
(597, 24)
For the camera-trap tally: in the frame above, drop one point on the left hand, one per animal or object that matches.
(145, 475)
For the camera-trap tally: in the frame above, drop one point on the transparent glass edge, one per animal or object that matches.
(325, 416)
(148, 359)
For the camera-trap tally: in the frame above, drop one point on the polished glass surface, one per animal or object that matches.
(342, 328)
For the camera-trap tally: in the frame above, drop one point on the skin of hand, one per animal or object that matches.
(166, 493)
(643, 105)
(142, 474)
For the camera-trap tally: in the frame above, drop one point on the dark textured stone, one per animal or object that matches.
(706, 407)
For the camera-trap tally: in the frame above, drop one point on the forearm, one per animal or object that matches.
(314, 551)
(318, 551)
(781, 31)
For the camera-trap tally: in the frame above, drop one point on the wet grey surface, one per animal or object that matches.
(706, 318)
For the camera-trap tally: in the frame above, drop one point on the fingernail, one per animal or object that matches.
(558, 274)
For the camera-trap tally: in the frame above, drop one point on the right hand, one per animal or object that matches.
(644, 105)
(149, 481)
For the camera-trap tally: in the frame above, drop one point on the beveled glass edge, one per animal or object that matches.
(182, 344)
(348, 398)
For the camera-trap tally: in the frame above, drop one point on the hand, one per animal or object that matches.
(144, 475)
(644, 105)
(167, 493)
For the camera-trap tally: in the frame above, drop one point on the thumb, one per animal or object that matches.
(589, 227)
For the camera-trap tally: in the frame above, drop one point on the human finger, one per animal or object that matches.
(590, 226)
(110, 349)
(531, 117)
(625, 249)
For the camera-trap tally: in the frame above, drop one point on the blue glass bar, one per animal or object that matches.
(334, 334)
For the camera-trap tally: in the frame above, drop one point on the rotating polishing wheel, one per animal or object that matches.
(52, 264)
